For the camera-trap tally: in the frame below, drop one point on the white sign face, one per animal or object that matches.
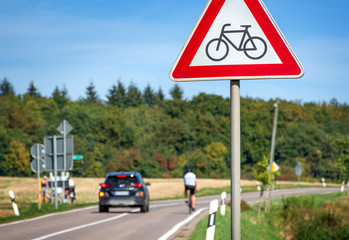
(236, 30)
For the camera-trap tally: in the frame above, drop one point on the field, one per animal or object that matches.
(26, 189)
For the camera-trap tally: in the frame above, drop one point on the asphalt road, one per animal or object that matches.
(164, 220)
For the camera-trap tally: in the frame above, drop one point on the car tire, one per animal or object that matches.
(143, 208)
(103, 208)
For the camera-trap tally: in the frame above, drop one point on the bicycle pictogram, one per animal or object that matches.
(254, 47)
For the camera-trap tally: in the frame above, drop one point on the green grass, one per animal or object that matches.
(31, 210)
(274, 226)
(250, 228)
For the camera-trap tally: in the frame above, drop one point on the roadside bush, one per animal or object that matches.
(305, 221)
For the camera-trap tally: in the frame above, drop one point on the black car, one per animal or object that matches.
(123, 189)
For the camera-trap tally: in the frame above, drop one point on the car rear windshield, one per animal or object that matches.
(123, 181)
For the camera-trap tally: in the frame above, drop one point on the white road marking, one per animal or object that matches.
(180, 224)
(82, 226)
(45, 216)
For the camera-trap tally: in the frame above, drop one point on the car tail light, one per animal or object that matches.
(104, 185)
(122, 176)
(102, 194)
(139, 194)
(139, 185)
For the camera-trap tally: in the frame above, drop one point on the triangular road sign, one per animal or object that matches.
(235, 39)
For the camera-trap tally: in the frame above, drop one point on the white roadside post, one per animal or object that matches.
(258, 187)
(14, 204)
(323, 182)
(342, 186)
(223, 197)
(211, 220)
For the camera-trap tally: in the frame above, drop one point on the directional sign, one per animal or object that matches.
(235, 39)
(50, 145)
(78, 157)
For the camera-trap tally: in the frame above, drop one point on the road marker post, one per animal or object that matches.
(342, 186)
(212, 220)
(323, 182)
(14, 204)
(223, 197)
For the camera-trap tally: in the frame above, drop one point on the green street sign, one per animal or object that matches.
(78, 157)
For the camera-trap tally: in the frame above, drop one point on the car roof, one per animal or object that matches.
(126, 173)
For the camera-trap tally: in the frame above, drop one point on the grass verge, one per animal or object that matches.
(310, 217)
(31, 210)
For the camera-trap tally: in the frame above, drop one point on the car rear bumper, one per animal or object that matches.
(117, 202)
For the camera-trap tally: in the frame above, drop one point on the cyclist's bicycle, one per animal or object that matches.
(254, 47)
(190, 204)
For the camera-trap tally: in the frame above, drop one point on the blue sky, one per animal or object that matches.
(71, 43)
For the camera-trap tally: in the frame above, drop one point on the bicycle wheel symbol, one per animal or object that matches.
(217, 49)
(253, 47)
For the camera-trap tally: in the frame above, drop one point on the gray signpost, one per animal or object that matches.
(59, 153)
(38, 164)
(299, 170)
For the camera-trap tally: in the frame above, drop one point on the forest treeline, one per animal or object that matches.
(143, 131)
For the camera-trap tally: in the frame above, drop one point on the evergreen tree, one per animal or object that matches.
(60, 96)
(160, 96)
(134, 96)
(6, 88)
(32, 90)
(176, 92)
(117, 95)
(91, 94)
(149, 96)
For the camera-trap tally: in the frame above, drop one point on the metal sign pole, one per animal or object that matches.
(38, 171)
(235, 158)
(55, 168)
(64, 156)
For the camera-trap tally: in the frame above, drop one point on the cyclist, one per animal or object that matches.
(190, 184)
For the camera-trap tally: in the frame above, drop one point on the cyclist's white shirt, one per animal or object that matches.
(189, 179)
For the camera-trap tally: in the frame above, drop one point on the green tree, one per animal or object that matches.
(342, 162)
(32, 90)
(262, 174)
(60, 96)
(176, 92)
(94, 164)
(149, 96)
(91, 94)
(215, 153)
(6, 88)
(17, 161)
(117, 95)
(134, 96)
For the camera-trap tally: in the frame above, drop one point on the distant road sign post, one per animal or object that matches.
(299, 170)
(38, 164)
(211, 53)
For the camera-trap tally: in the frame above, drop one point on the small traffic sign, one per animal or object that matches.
(299, 169)
(77, 157)
(64, 128)
(34, 165)
(37, 150)
(274, 167)
(235, 39)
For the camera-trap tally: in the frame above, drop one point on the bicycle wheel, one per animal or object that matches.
(255, 48)
(217, 49)
(189, 203)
